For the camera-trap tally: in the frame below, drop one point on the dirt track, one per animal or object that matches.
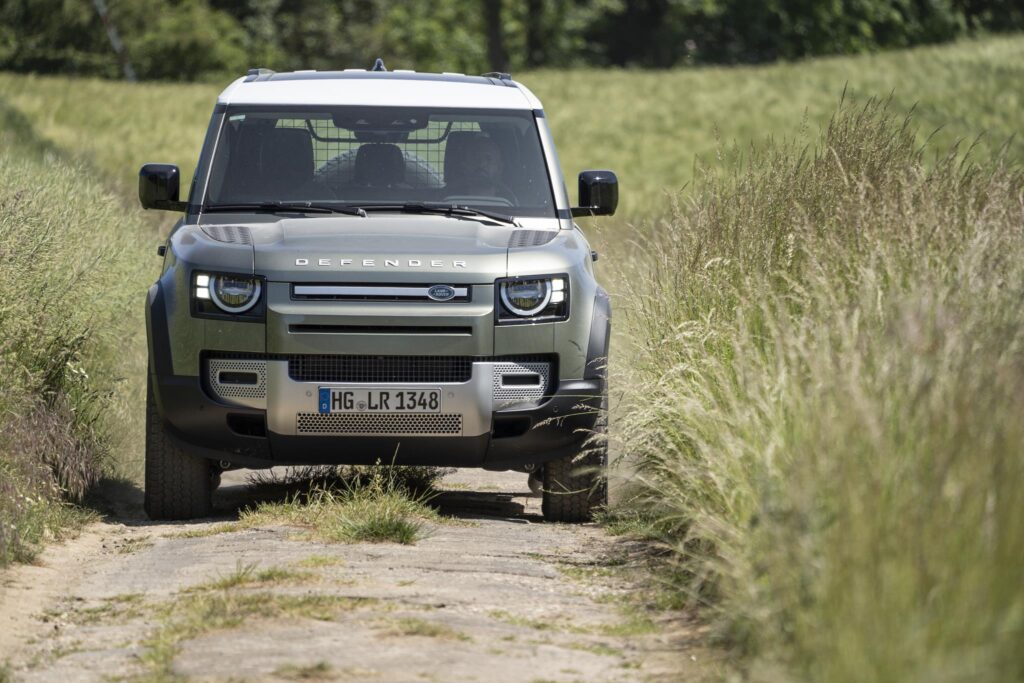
(496, 596)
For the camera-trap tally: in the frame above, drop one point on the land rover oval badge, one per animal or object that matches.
(441, 292)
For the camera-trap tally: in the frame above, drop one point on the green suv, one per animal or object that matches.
(377, 266)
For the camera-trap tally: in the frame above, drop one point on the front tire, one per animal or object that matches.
(179, 485)
(576, 486)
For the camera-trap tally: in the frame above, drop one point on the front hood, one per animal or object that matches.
(380, 248)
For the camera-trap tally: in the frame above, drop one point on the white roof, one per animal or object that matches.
(369, 88)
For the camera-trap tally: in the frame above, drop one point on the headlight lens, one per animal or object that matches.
(526, 297)
(534, 299)
(231, 293)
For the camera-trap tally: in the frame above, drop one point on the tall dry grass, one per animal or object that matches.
(825, 406)
(72, 350)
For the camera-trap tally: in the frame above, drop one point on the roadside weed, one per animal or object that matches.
(411, 626)
(321, 671)
(824, 416)
(316, 561)
(201, 612)
(251, 575)
(375, 508)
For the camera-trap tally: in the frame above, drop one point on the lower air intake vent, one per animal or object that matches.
(372, 424)
(520, 382)
(239, 382)
(444, 369)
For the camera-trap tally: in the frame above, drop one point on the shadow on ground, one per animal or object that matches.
(121, 500)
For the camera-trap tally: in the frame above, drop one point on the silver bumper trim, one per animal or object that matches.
(466, 407)
(471, 400)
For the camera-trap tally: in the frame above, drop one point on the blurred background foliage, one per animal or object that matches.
(211, 39)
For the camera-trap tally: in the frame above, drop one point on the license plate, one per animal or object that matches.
(345, 400)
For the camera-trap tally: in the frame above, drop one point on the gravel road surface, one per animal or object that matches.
(497, 595)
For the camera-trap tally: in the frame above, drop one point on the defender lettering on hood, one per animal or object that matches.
(386, 263)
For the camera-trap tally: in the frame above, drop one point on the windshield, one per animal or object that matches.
(362, 156)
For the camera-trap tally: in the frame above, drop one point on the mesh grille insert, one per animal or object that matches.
(233, 392)
(372, 369)
(505, 394)
(379, 423)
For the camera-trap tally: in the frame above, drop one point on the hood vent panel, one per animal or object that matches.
(530, 238)
(231, 234)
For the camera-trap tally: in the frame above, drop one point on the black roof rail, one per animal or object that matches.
(379, 65)
(258, 75)
(500, 75)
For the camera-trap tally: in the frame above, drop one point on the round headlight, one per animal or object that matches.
(526, 297)
(234, 293)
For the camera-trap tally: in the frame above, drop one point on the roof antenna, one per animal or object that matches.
(379, 65)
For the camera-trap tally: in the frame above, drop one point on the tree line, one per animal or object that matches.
(211, 39)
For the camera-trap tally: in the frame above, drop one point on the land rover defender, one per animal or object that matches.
(376, 266)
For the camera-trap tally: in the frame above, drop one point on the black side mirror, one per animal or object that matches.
(599, 194)
(159, 185)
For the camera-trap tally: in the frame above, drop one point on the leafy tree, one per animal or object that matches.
(54, 35)
(186, 40)
(215, 39)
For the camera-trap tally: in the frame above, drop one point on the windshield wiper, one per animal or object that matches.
(443, 209)
(303, 207)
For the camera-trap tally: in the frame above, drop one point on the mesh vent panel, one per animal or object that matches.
(518, 393)
(531, 238)
(379, 423)
(232, 234)
(231, 392)
(372, 369)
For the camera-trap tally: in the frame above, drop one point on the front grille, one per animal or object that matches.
(373, 369)
(372, 424)
(380, 329)
(382, 292)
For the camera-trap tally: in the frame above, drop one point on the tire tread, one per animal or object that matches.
(575, 486)
(178, 485)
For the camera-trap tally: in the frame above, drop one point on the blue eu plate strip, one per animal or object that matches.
(325, 400)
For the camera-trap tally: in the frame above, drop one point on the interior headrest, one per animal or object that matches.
(379, 164)
(288, 155)
(458, 149)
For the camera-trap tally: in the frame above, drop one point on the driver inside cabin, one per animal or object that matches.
(473, 165)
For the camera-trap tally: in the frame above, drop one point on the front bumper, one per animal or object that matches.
(491, 433)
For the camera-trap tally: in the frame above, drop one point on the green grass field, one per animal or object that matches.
(818, 354)
(648, 126)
